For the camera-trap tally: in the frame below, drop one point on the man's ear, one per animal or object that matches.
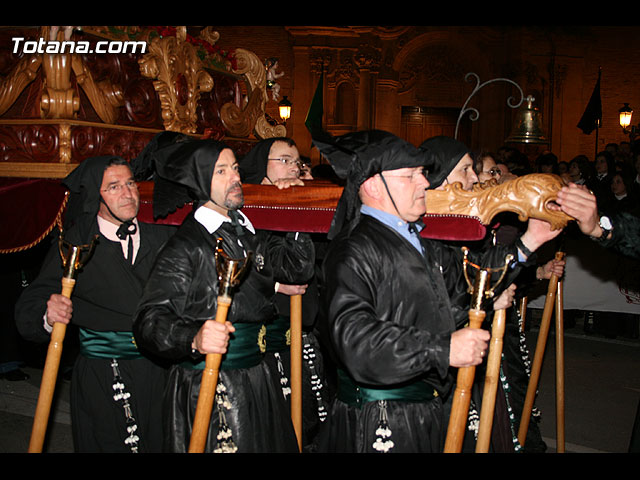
(371, 187)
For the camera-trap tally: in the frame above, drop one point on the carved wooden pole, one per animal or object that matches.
(549, 305)
(522, 307)
(229, 273)
(72, 261)
(491, 382)
(462, 394)
(296, 366)
(559, 369)
(208, 386)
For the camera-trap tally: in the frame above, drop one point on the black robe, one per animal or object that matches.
(388, 318)
(105, 296)
(182, 294)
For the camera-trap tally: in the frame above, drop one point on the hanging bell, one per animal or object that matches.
(527, 127)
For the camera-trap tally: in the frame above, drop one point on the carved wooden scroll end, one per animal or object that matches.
(529, 196)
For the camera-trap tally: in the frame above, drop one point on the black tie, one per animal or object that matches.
(127, 229)
(235, 222)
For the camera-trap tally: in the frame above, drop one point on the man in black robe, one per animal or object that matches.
(449, 161)
(174, 318)
(388, 299)
(104, 201)
(276, 161)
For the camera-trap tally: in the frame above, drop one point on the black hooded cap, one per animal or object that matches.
(84, 184)
(357, 156)
(253, 166)
(143, 165)
(441, 155)
(183, 172)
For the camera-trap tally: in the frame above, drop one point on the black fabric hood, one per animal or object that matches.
(357, 156)
(441, 155)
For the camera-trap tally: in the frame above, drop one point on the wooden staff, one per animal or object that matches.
(549, 305)
(491, 382)
(523, 311)
(208, 386)
(72, 261)
(462, 396)
(464, 384)
(229, 272)
(559, 369)
(296, 366)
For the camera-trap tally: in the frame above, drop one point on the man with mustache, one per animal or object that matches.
(175, 317)
(104, 201)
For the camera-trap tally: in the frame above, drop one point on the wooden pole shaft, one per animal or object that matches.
(560, 447)
(49, 377)
(491, 382)
(543, 334)
(296, 366)
(208, 386)
(462, 396)
(523, 311)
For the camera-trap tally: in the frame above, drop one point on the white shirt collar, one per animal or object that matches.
(211, 220)
(109, 229)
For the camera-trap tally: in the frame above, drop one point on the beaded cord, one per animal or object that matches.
(224, 439)
(122, 396)
(383, 442)
(284, 381)
(309, 356)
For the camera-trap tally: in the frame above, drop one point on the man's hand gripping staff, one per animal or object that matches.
(230, 272)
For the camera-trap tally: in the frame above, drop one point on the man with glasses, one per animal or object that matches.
(273, 161)
(115, 387)
(388, 299)
(449, 160)
(276, 161)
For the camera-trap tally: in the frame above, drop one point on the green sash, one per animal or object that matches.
(355, 395)
(277, 337)
(94, 344)
(243, 350)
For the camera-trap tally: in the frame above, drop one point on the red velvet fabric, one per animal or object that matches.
(29, 207)
(28, 211)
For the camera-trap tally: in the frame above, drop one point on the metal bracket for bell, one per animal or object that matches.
(229, 270)
(74, 257)
(480, 288)
(527, 128)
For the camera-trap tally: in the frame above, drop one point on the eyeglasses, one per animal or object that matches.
(415, 176)
(287, 161)
(116, 188)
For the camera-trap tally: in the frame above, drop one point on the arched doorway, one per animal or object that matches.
(419, 123)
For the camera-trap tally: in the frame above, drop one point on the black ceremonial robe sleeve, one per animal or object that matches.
(387, 317)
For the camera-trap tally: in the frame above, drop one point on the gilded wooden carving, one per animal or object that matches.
(529, 196)
(240, 122)
(59, 99)
(21, 76)
(179, 80)
(105, 97)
